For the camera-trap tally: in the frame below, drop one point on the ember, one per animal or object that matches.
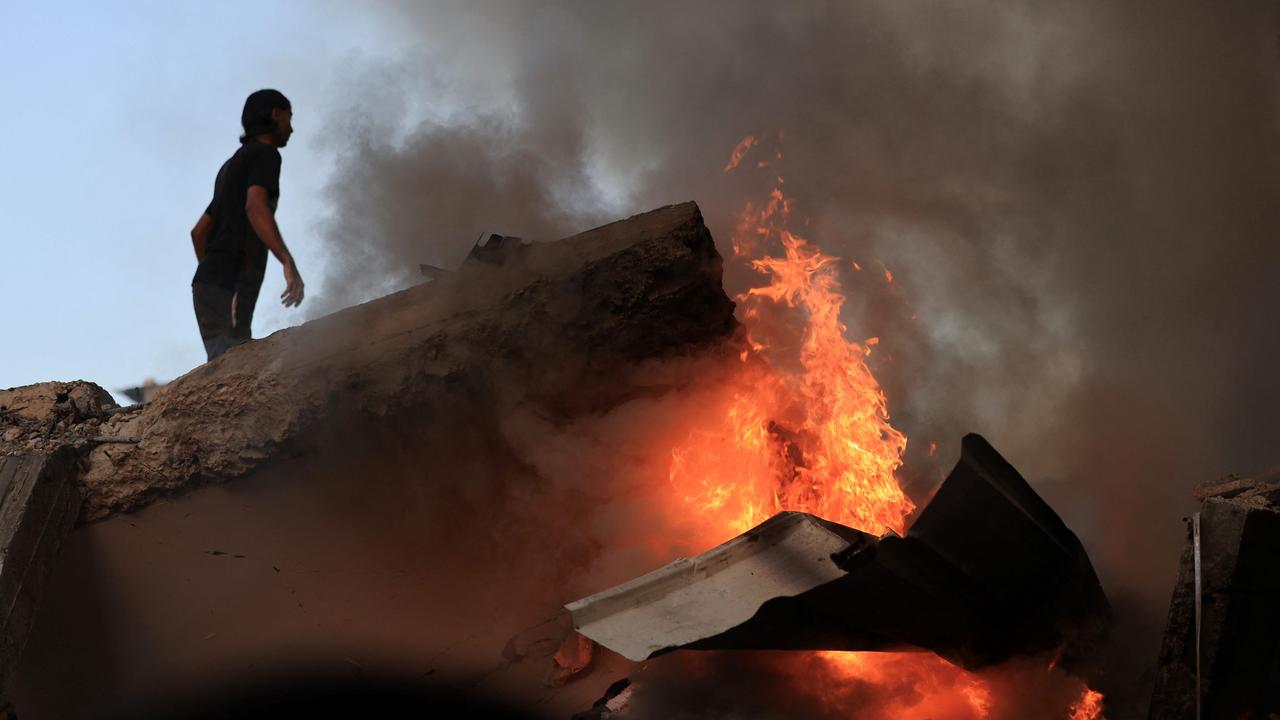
(1088, 707)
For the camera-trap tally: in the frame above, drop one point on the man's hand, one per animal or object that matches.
(200, 235)
(292, 295)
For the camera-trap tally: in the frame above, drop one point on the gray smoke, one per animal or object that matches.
(1078, 202)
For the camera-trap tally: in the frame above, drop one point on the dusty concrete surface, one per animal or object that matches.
(327, 571)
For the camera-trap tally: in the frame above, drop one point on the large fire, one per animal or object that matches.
(805, 426)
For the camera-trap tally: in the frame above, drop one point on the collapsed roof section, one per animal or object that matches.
(988, 571)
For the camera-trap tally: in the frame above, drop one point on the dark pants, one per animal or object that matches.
(225, 316)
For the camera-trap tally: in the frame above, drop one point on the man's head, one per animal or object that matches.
(267, 112)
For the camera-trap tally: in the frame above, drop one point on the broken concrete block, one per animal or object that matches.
(41, 401)
(1239, 623)
(368, 435)
(988, 571)
(552, 322)
(42, 417)
(39, 504)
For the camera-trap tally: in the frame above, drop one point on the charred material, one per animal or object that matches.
(988, 571)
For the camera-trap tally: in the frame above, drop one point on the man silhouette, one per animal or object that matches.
(233, 235)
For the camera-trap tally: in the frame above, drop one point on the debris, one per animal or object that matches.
(987, 571)
(433, 272)
(38, 402)
(145, 392)
(542, 640)
(38, 508)
(611, 704)
(1262, 491)
(570, 328)
(638, 289)
(44, 417)
(497, 249)
(571, 659)
(490, 247)
(1238, 628)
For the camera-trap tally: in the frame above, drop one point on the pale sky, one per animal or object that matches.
(116, 117)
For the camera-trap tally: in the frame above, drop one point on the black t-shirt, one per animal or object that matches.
(233, 251)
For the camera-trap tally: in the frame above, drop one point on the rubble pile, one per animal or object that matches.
(178, 578)
(553, 320)
(44, 417)
(361, 430)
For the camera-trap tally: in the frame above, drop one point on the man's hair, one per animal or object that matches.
(256, 118)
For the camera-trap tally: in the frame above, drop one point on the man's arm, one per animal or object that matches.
(200, 235)
(264, 224)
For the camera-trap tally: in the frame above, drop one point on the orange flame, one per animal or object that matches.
(803, 424)
(1088, 707)
(808, 428)
(947, 687)
(740, 151)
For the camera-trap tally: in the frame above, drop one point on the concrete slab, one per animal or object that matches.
(39, 504)
(1239, 623)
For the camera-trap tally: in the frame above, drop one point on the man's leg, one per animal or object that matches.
(246, 299)
(213, 315)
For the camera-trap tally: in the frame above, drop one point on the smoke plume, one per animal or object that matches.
(1077, 203)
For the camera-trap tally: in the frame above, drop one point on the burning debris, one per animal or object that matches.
(347, 421)
(987, 572)
(406, 428)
